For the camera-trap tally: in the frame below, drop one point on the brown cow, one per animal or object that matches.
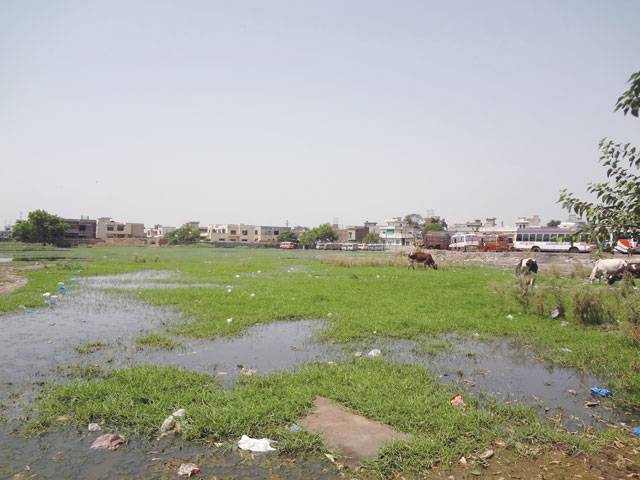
(421, 257)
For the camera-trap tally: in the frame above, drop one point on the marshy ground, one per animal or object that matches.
(141, 332)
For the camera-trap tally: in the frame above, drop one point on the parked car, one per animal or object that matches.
(288, 245)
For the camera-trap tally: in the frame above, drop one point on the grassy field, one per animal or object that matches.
(372, 298)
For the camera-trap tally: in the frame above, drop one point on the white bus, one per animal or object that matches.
(464, 242)
(551, 240)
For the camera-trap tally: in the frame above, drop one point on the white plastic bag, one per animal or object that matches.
(255, 445)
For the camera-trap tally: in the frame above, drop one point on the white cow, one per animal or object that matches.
(606, 267)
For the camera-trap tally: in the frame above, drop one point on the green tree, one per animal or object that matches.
(288, 236)
(553, 223)
(616, 210)
(308, 238)
(413, 219)
(371, 237)
(432, 227)
(326, 233)
(40, 227)
(185, 234)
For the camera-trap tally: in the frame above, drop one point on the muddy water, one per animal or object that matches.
(511, 374)
(66, 454)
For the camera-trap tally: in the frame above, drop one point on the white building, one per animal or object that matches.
(395, 233)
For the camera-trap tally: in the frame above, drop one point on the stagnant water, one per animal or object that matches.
(36, 343)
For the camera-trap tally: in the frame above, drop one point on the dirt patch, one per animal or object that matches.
(355, 436)
(10, 280)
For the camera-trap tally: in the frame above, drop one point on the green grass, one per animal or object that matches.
(90, 347)
(157, 341)
(136, 401)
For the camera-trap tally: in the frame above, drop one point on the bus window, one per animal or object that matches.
(553, 237)
(561, 238)
(539, 237)
(545, 238)
(519, 237)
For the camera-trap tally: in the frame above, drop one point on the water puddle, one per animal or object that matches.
(66, 454)
(511, 373)
(148, 279)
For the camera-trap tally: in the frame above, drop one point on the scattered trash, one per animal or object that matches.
(228, 290)
(46, 294)
(564, 324)
(635, 431)
(329, 314)
(73, 279)
(62, 289)
(572, 392)
(247, 372)
(591, 404)
(331, 458)
(500, 443)
(457, 400)
(188, 469)
(254, 444)
(567, 350)
(603, 392)
(557, 313)
(462, 461)
(170, 426)
(374, 353)
(110, 441)
(487, 454)
(295, 428)
(252, 295)
(94, 427)
(229, 320)
(61, 284)
(509, 317)
(357, 354)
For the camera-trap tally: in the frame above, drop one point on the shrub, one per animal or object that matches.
(589, 306)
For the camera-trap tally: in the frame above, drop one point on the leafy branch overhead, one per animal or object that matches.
(616, 210)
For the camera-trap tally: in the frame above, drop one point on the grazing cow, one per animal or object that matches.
(606, 267)
(526, 269)
(633, 269)
(421, 257)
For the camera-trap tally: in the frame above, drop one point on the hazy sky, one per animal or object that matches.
(265, 111)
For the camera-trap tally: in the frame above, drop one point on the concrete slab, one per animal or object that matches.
(354, 436)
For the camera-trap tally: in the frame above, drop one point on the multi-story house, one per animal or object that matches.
(107, 229)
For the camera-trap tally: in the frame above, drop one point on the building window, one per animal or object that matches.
(276, 232)
(255, 232)
(245, 232)
(121, 228)
(82, 228)
(109, 228)
(232, 232)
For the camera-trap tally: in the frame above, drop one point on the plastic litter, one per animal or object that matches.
(170, 425)
(487, 454)
(567, 350)
(247, 372)
(179, 413)
(557, 313)
(188, 469)
(46, 294)
(109, 441)
(229, 320)
(237, 276)
(357, 354)
(62, 289)
(295, 428)
(374, 353)
(603, 392)
(94, 427)
(509, 317)
(255, 444)
(252, 295)
(457, 400)
(564, 324)
(635, 431)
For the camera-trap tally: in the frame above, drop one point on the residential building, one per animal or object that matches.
(267, 234)
(395, 233)
(232, 232)
(353, 234)
(107, 229)
(80, 230)
(204, 231)
(159, 231)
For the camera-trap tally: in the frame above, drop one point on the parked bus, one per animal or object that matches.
(551, 240)
(496, 243)
(288, 245)
(465, 242)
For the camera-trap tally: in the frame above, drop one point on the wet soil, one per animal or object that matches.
(10, 280)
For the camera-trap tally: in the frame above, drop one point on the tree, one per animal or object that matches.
(414, 219)
(185, 234)
(40, 227)
(326, 233)
(616, 211)
(288, 236)
(432, 227)
(371, 237)
(553, 223)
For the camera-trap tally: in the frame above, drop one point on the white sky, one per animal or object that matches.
(261, 112)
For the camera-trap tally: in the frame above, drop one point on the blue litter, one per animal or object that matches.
(62, 289)
(635, 431)
(73, 279)
(603, 392)
(295, 428)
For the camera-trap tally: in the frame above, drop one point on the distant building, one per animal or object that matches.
(396, 233)
(159, 231)
(267, 234)
(82, 230)
(352, 234)
(231, 232)
(107, 229)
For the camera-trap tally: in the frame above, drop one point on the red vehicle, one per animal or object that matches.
(496, 243)
(437, 240)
